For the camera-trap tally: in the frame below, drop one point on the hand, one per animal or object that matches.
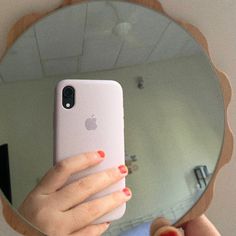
(200, 226)
(60, 210)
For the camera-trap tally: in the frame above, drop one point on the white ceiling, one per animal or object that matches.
(81, 38)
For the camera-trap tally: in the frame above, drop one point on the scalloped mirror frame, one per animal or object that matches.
(20, 225)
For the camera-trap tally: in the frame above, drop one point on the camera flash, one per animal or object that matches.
(67, 104)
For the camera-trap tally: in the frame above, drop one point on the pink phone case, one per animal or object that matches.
(94, 123)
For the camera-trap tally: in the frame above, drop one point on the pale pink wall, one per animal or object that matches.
(216, 19)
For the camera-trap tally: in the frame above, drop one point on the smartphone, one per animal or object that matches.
(88, 116)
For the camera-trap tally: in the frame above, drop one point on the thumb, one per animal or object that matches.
(162, 227)
(167, 231)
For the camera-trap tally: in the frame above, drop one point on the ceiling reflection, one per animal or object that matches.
(95, 37)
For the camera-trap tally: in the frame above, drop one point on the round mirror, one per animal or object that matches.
(173, 104)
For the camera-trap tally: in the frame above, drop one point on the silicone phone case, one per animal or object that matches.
(96, 122)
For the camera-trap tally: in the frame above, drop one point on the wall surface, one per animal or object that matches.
(216, 19)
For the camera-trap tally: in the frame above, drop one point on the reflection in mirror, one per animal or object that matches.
(174, 111)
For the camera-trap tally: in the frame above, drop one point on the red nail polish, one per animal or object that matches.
(169, 233)
(101, 154)
(127, 192)
(123, 169)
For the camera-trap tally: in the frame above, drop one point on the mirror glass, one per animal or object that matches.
(174, 111)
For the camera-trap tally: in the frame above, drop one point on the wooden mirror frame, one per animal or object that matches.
(21, 226)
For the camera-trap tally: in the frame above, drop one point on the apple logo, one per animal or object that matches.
(90, 123)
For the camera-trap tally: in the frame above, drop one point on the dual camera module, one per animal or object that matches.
(68, 97)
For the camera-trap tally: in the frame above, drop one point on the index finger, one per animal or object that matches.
(58, 175)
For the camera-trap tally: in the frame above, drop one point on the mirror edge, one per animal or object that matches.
(20, 225)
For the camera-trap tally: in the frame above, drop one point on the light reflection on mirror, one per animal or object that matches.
(174, 111)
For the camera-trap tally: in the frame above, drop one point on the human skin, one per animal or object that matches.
(200, 226)
(59, 209)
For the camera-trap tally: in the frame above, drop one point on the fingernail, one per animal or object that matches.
(101, 153)
(123, 169)
(169, 233)
(127, 192)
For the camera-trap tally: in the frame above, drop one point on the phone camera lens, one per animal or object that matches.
(68, 91)
(68, 97)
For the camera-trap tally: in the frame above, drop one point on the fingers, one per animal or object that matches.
(57, 176)
(93, 230)
(199, 226)
(77, 192)
(162, 227)
(88, 212)
(168, 231)
(157, 224)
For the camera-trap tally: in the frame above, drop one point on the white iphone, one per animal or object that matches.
(89, 116)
